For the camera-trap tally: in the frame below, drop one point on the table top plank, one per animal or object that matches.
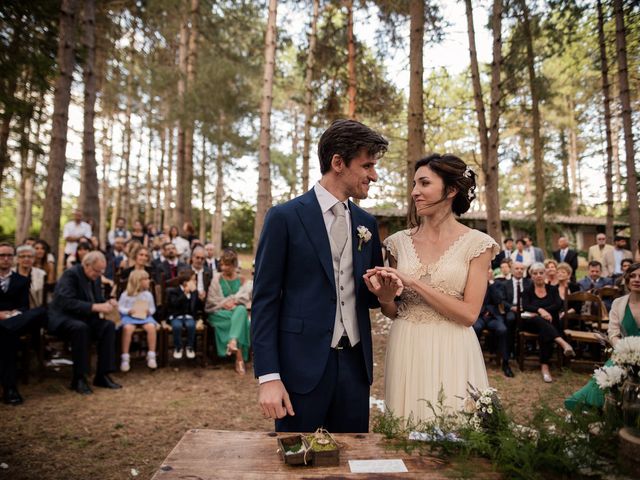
(209, 454)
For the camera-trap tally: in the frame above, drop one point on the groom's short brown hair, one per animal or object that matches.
(347, 138)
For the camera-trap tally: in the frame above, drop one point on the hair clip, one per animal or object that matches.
(467, 172)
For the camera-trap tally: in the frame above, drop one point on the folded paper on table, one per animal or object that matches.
(395, 465)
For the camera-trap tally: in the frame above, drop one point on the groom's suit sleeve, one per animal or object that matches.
(271, 261)
(377, 261)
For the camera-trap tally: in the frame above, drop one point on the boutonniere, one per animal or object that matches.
(364, 235)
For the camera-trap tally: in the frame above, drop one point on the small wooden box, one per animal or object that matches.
(294, 458)
(326, 458)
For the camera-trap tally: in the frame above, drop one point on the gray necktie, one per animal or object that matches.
(338, 230)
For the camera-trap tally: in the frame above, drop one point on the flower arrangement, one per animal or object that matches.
(626, 354)
(364, 235)
(610, 377)
(482, 408)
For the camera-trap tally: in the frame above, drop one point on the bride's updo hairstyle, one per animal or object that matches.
(456, 176)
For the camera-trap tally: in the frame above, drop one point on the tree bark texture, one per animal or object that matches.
(308, 95)
(538, 166)
(50, 231)
(351, 62)
(202, 231)
(124, 192)
(89, 202)
(264, 173)
(606, 97)
(573, 155)
(181, 173)
(105, 197)
(216, 220)
(192, 52)
(489, 163)
(157, 219)
(627, 127)
(415, 119)
(169, 211)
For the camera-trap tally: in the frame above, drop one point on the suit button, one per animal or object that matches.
(341, 287)
(342, 303)
(341, 272)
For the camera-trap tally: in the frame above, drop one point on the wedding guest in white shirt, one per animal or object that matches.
(73, 231)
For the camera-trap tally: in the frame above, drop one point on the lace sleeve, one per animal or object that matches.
(390, 244)
(482, 244)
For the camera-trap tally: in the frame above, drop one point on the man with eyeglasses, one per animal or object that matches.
(77, 315)
(16, 319)
(596, 252)
(203, 275)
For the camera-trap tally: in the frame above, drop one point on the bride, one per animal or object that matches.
(438, 266)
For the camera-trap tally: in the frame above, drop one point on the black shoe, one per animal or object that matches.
(105, 381)
(507, 370)
(11, 396)
(81, 386)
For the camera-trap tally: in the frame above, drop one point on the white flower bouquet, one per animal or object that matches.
(610, 377)
(626, 354)
(482, 408)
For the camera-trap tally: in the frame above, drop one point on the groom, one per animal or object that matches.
(310, 328)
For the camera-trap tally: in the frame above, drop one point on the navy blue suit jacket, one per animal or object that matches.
(294, 293)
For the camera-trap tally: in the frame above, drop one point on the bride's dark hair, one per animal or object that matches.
(456, 176)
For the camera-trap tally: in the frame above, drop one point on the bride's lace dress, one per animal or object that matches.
(426, 351)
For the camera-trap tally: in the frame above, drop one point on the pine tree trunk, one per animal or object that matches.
(627, 127)
(50, 231)
(264, 173)
(148, 209)
(489, 162)
(606, 97)
(6, 116)
(107, 153)
(169, 210)
(564, 159)
(181, 170)
(124, 192)
(25, 189)
(192, 52)
(351, 61)
(308, 95)
(157, 219)
(615, 141)
(573, 155)
(415, 119)
(538, 167)
(216, 220)
(203, 191)
(89, 202)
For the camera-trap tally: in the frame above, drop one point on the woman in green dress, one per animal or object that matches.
(624, 321)
(227, 300)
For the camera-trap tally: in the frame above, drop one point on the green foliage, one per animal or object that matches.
(237, 230)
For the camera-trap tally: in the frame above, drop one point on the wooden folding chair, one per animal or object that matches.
(586, 328)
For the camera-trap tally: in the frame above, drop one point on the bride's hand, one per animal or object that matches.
(405, 279)
(384, 285)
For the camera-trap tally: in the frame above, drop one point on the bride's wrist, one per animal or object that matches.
(386, 302)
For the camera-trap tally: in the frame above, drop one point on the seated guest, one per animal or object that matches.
(181, 308)
(182, 244)
(211, 260)
(505, 270)
(170, 266)
(116, 258)
(151, 231)
(16, 319)
(227, 300)
(44, 260)
(75, 315)
(26, 256)
(566, 254)
(189, 233)
(594, 278)
(203, 276)
(140, 262)
(81, 251)
(491, 319)
(624, 321)
(156, 247)
(137, 307)
(551, 272)
(513, 300)
(543, 302)
(567, 287)
(138, 234)
(619, 282)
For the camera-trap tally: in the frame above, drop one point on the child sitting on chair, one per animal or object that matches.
(181, 307)
(136, 307)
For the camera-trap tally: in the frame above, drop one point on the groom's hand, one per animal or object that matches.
(274, 400)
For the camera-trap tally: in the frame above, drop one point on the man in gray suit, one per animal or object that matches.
(76, 315)
(538, 254)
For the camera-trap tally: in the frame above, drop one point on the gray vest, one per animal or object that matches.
(346, 318)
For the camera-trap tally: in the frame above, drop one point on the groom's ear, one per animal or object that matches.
(337, 163)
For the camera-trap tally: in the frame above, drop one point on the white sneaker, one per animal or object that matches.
(177, 353)
(124, 363)
(190, 353)
(151, 361)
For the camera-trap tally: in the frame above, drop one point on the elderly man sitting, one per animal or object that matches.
(76, 315)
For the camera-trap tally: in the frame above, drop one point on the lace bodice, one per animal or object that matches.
(448, 274)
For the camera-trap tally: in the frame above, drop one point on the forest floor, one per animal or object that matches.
(117, 434)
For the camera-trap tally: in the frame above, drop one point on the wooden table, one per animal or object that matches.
(207, 454)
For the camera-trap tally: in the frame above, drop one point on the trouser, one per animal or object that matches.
(80, 333)
(10, 331)
(176, 325)
(496, 325)
(340, 401)
(547, 334)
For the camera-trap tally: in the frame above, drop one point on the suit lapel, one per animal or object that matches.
(358, 266)
(313, 222)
